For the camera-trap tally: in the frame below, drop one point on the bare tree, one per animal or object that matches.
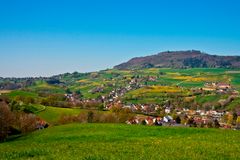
(6, 120)
(28, 122)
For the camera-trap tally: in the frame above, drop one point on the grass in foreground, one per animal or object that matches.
(112, 141)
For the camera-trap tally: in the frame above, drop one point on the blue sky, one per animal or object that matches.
(46, 37)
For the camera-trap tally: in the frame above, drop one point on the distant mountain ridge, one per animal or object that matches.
(182, 59)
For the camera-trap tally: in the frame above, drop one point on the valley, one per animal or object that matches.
(205, 95)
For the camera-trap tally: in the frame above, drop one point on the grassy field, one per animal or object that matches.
(22, 93)
(153, 94)
(210, 98)
(52, 114)
(112, 141)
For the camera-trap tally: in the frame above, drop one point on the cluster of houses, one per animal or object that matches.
(114, 96)
(148, 120)
(143, 108)
(219, 87)
(184, 117)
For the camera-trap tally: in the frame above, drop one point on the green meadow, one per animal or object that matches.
(115, 141)
(53, 114)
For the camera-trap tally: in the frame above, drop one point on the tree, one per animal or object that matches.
(238, 121)
(174, 115)
(68, 91)
(79, 93)
(162, 113)
(230, 119)
(190, 122)
(235, 116)
(224, 118)
(143, 122)
(27, 122)
(210, 124)
(90, 117)
(6, 120)
(178, 120)
(29, 100)
(184, 120)
(15, 106)
(216, 124)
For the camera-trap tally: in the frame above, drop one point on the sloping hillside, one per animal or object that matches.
(182, 59)
(111, 141)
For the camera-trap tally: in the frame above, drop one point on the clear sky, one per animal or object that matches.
(46, 37)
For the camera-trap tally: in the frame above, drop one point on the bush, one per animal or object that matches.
(55, 100)
(97, 117)
(108, 118)
(64, 119)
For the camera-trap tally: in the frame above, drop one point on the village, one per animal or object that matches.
(167, 114)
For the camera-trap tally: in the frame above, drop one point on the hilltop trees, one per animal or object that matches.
(180, 59)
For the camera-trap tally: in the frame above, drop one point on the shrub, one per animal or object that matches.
(64, 119)
(97, 117)
(108, 118)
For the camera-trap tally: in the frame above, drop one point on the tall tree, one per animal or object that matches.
(6, 120)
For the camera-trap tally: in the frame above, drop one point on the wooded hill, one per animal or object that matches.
(182, 59)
